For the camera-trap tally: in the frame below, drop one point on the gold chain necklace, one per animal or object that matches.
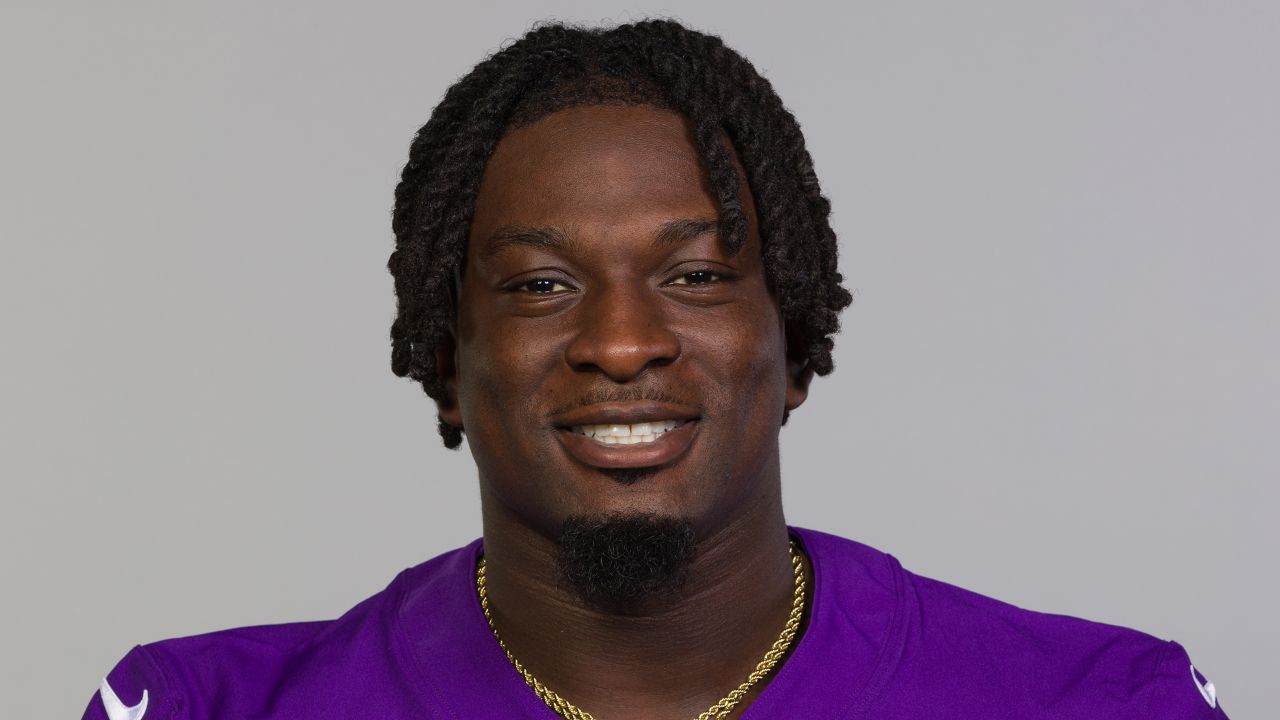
(721, 709)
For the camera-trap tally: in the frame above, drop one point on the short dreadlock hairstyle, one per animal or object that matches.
(655, 62)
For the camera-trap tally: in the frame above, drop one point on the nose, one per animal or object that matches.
(621, 333)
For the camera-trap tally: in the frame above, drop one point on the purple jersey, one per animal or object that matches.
(881, 643)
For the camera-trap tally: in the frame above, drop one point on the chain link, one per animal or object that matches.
(721, 709)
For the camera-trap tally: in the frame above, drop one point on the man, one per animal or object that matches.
(616, 277)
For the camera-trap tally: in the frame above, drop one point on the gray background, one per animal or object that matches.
(1057, 386)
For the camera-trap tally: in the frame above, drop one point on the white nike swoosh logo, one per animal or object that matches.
(117, 710)
(1207, 690)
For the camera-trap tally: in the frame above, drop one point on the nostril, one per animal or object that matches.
(622, 365)
(622, 354)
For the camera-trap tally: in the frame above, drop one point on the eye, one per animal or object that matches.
(542, 286)
(697, 277)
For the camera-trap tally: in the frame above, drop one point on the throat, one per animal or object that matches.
(674, 655)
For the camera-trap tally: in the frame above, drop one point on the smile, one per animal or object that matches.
(629, 434)
(641, 433)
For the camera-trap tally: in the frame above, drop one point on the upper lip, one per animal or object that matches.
(624, 413)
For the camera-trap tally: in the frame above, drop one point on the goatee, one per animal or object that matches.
(621, 563)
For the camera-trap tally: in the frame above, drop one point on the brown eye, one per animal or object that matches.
(697, 277)
(542, 286)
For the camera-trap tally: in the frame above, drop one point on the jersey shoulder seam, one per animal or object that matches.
(171, 700)
(1155, 678)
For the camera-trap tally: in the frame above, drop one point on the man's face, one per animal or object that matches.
(597, 295)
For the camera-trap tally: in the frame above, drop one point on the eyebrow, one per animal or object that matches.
(517, 235)
(674, 232)
(671, 233)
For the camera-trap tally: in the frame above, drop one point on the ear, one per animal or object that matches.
(447, 370)
(799, 375)
(799, 372)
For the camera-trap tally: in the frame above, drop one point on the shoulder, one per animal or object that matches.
(306, 669)
(959, 653)
(177, 679)
(219, 674)
(138, 685)
(1035, 664)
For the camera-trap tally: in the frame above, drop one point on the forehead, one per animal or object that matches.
(593, 164)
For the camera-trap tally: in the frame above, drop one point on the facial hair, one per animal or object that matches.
(623, 562)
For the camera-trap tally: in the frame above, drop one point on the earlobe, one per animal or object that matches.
(799, 375)
(446, 355)
(799, 370)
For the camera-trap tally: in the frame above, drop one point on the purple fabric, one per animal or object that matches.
(881, 643)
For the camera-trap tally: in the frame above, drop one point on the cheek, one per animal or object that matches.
(749, 368)
(495, 384)
(503, 432)
(499, 376)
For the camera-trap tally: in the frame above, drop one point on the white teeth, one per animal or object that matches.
(645, 432)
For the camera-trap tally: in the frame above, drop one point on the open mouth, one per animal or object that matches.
(650, 443)
(641, 433)
(633, 434)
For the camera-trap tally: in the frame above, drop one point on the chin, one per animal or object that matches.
(621, 561)
(653, 492)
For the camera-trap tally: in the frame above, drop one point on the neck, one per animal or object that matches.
(671, 659)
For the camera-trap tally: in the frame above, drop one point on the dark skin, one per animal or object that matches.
(596, 290)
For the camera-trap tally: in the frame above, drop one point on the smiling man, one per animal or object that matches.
(616, 278)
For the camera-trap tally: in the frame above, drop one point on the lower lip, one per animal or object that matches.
(669, 446)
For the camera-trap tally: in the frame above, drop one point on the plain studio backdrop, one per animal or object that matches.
(1058, 383)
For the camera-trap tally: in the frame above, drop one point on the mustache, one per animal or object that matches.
(624, 394)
